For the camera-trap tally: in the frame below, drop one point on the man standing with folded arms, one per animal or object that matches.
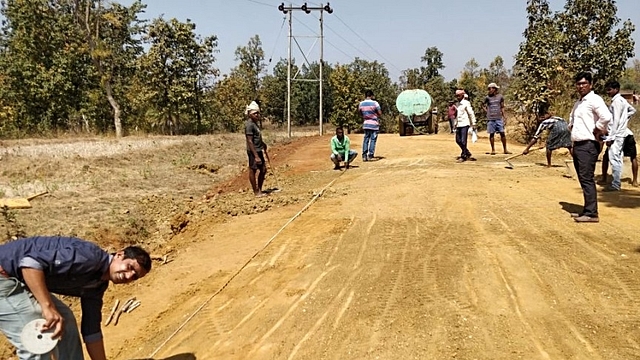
(588, 123)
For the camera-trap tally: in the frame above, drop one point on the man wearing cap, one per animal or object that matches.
(31, 269)
(255, 148)
(465, 118)
(494, 106)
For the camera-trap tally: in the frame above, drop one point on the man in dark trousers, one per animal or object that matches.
(588, 123)
(33, 268)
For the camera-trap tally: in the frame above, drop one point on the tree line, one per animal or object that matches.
(98, 67)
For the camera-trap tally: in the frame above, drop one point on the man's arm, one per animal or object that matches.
(604, 117)
(347, 147)
(334, 147)
(504, 118)
(472, 115)
(34, 279)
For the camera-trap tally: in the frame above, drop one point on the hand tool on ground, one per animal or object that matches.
(113, 312)
(277, 188)
(20, 203)
(510, 166)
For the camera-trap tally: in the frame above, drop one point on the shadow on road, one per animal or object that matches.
(624, 199)
(189, 356)
(571, 208)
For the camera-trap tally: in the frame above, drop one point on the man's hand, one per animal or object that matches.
(53, 321)
(258, 160)
(34, 279)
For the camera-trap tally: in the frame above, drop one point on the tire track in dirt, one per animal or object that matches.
(607, 264)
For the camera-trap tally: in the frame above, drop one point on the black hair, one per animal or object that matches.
(612, 84)
(140, 255)
(543, 109)
(368, 93)
(584, 75)
(339, 128)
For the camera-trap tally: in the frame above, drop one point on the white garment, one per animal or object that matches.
(588, 113)
(466, 116)
(621, 111)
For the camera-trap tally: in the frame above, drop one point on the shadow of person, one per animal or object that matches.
(186, 356)
(571, 208)
(624, 199)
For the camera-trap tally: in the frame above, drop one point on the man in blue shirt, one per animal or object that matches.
(33, 268)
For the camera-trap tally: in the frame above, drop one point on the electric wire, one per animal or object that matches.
(369, 45)
(325, 40)
(284, 19)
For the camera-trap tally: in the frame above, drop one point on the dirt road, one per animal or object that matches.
(410, 257)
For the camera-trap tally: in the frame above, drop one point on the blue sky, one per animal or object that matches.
(392, 32)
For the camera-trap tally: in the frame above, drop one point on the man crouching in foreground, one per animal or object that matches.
(33, 268)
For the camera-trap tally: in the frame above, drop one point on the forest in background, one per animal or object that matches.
(99, 67)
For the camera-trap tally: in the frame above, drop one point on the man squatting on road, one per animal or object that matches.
(340, 149)
(33, 268)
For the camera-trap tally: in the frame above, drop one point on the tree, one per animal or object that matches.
(590, 40)
(172, 71)
(344, 111)
(112, 35)
(557, 46)
(433, 59)
(252, 64)
(44, 62)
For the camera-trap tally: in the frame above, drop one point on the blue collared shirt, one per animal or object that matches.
(71, 267)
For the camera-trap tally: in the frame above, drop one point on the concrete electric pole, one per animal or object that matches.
(307, 9)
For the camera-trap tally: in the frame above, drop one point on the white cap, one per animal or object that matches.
(251, 108)
(493, 85)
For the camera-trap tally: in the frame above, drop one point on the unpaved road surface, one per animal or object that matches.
(409, 257)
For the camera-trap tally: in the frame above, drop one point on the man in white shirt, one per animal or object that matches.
(588, 123)
(621, 111)
(465, 118)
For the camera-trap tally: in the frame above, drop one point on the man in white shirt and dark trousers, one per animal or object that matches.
(621, 111)
(588, 123)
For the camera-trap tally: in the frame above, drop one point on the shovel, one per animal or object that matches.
(510, 166)
(277, 188)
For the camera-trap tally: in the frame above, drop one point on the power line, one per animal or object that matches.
(284, 19)
(350, 44)
(365, 41)
(261, 3)
(327, 41)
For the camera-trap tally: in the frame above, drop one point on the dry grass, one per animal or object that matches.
(116, 192)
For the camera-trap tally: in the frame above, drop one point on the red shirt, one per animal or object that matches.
(453, 111)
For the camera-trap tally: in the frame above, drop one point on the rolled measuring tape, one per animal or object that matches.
(35, 340)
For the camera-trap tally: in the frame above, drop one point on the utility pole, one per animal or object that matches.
(307, 9)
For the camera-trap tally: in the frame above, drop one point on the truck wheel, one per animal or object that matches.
(401, 128)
